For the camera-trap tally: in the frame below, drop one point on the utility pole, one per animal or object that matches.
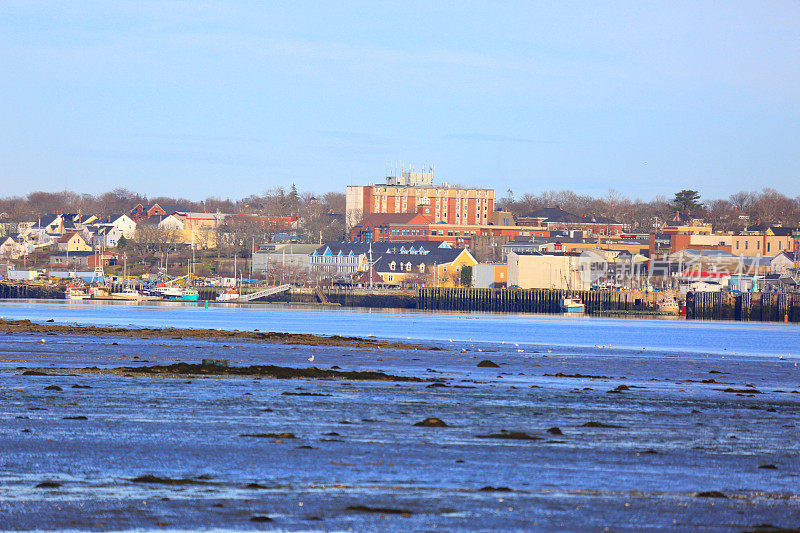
(370, 264)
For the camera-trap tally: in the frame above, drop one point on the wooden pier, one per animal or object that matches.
(756, 307)
(526, 300)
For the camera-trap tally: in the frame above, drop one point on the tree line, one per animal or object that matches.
(743, 208)
(768, 206)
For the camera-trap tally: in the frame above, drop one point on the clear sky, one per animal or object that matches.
(230, 98)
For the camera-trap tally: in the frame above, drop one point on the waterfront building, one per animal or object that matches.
(534, 270)
(408, 264)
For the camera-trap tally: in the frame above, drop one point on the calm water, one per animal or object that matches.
(357, 456)
(662, 334)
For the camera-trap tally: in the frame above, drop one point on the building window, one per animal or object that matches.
(422, 268)
(391, 265)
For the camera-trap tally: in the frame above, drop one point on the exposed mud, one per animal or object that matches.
(27, 326)
(260, 371)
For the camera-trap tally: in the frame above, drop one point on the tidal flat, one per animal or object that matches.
(95, 435)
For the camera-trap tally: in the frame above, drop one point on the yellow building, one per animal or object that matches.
(73, 242)
(440, 267)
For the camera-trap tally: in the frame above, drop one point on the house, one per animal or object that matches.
(124, 223)
(172, 222)
(785, 263)
(142, 212)
(438, 267)
(11, 247)
(72, 242)
(83, 259)
(52, 224)
(105, 235)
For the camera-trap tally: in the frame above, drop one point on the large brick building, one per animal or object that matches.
(410, 190)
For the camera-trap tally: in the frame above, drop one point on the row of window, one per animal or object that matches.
(758, 246)
(406, 266)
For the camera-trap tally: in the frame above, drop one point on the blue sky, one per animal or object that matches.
(231, 98)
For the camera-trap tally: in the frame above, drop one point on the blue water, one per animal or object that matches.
(678, 335)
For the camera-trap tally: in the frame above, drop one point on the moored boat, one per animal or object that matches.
(74, 292)
(228, 295)
(128, 293)
(572, 305)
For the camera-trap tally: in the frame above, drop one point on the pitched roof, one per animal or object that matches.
(439, 256)
(169, 209)
(405, 248)
(46, 220)
(67, 236)
(780, 231)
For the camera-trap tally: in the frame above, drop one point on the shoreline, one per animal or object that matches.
(28, 326)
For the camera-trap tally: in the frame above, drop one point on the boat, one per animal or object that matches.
(176, 293)
(190, 295)
(668, 305)
(228, 295)
(74, 292)
(572, 305)
(128, 293)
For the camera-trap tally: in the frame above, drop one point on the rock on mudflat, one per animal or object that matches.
(432, 422)
(511, 435)
(710, 494)
(488, 364)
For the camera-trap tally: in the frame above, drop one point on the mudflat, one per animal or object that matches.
(116, 432)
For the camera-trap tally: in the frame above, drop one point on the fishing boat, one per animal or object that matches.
(190, 295)
(572, 305)
(228, 295)
(128, 293)
(74, 292)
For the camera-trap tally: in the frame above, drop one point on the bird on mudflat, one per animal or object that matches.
(311, 358)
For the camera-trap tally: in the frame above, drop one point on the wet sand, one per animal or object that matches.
(551, 437)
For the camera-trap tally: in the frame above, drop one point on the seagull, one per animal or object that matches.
(42, 341)
(311, 358)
